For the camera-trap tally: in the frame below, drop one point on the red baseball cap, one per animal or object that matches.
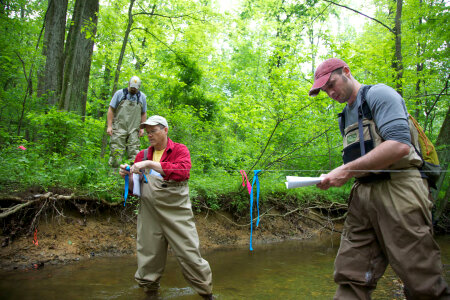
(323, 73)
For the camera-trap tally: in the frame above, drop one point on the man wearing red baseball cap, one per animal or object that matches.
(323, 73)
(389, 215)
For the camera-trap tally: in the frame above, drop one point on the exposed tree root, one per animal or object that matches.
(13, 209)
(324, 222)
(21, 215)
(7, 211)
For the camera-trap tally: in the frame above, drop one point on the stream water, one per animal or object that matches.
(287, 270)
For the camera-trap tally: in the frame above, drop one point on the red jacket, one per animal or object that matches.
(175, 161)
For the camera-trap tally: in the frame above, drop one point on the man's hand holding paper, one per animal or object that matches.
(295, 181)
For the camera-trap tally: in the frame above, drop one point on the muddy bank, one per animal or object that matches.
(68, 234)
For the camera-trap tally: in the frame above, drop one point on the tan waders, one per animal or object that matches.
(165, 218)
(389, 221)
(127, 118)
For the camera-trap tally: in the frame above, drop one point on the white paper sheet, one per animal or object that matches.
(137, 178)
(295, 182)
(136, 185)
(154, 173)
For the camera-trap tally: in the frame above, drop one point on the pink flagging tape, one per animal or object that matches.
(245, 179)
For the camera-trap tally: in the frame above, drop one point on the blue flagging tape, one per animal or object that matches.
(255, 180)
(127, 182)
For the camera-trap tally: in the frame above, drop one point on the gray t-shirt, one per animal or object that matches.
(388, 111)
(119, 95)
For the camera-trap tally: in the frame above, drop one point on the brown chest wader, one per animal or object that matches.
(388, 222)
(165, 219)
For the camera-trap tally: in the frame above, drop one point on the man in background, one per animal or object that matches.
(127, 109)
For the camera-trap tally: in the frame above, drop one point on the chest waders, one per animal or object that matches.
(388, 222)
(127, 118)
(165, 218)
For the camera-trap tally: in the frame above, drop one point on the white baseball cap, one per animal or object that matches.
(135, 82)
(155, 120)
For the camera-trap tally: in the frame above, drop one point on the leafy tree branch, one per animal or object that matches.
(362, 14)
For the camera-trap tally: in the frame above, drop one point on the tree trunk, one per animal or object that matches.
(50, 81)
(79, 48)
(119, 66)
(443, 149)
(105, 89)
(419, 69)
(124, 46)
(313, 51)
(398, 59)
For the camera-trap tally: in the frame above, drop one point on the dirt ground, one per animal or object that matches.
(70, 236)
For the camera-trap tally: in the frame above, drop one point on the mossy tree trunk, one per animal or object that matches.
(78, 56)
(50, 81)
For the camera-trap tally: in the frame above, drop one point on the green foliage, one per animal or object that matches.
(217, 190)
(233, 87)
(209, 188)
(56, 129)
(82, 175)
(65, 155)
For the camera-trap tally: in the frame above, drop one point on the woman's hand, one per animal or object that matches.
(123, 170)
(137, 167)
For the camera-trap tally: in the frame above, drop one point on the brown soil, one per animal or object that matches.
(70, 236)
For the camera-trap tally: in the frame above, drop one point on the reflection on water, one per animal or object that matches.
(288, 270)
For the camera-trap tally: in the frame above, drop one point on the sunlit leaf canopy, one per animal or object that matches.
(233, 80)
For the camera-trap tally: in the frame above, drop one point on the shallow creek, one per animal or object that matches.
(288, 270)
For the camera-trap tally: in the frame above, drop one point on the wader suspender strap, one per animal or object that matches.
(363, 110)
(145, 158)
(145, 154)
(361, 133)
(342, 121)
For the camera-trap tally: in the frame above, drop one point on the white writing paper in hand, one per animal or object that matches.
(137, 181)
(136, 185)
(295, 182)
(154, 173)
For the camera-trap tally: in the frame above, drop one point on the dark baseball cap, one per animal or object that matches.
(323, 72)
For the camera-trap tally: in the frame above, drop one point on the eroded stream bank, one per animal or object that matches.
(67, 234)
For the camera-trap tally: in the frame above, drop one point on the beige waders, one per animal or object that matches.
(165, 218)
(127, 118)
(389, 221)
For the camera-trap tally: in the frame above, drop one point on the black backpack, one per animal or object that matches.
(125, 93)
